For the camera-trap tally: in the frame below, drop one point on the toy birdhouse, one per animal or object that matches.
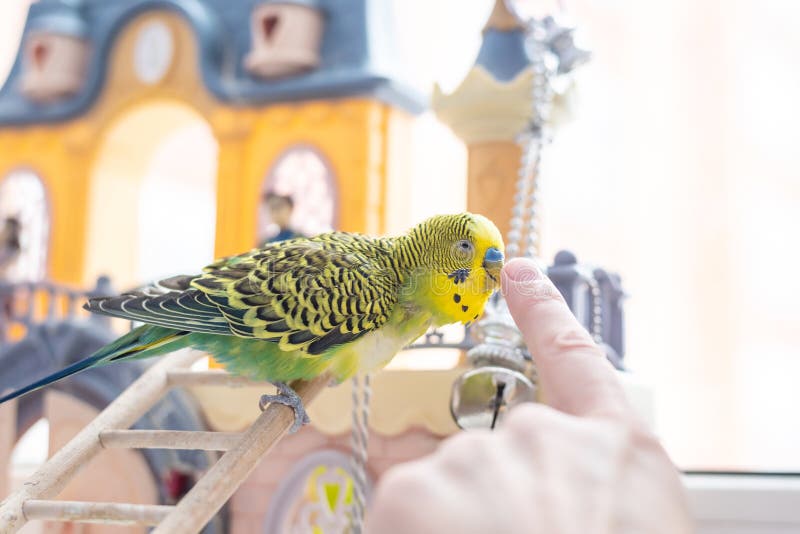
(56, 55)
(285, 37)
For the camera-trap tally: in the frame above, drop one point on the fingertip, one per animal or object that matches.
(517, 280)
(524, 285)
(521, 270)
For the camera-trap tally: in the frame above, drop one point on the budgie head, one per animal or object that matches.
(459, 258)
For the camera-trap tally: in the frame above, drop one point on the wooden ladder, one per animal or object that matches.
(111, 429)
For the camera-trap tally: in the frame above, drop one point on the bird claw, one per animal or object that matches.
(287, 396)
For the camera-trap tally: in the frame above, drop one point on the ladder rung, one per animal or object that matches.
(181, 377)
(169, 439)
(96, 512)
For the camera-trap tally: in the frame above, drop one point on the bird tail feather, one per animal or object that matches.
(142, 342)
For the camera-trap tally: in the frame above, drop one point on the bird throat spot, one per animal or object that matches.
(457, 299)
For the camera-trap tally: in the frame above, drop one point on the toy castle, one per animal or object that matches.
(275, 81)
(266, 93)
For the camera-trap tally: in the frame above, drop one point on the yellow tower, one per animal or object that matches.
(99, 93)
(489, 110)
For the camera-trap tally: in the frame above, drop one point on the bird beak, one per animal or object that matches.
(493, 263)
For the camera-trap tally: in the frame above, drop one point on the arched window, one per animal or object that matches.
(161, 190)
(24, 226)
(316, 496)
(304, 177)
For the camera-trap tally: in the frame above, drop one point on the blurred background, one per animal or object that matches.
(677, 171)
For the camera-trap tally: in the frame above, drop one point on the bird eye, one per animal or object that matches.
(464, 248)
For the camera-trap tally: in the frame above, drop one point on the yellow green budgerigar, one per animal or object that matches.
(338, 303)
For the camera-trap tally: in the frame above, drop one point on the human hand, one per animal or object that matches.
(583, 464)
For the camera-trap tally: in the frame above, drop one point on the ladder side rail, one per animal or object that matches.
(124, 411)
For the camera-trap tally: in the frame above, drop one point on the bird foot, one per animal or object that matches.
(287, 396)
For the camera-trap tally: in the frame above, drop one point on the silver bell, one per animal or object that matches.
(482, 396)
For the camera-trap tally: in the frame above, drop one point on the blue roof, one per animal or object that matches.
(65, 18)
(306, 3)
(503, 53)
(357, 56)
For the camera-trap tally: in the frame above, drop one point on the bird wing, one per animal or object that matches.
(304, 294)
(171, 303)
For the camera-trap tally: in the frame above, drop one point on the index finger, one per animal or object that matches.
(573, 371)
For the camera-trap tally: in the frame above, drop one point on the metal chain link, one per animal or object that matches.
(597, 309)
(524, 217)
(530, 166)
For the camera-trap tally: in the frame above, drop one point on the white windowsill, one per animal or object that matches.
(744, 504)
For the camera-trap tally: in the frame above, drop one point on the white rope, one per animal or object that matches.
(359, 440)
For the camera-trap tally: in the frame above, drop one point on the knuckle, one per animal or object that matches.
(641, 436)
(397, 496)
(465, 447)
(526, 422)
(574, 338)
(633, 433)
(527, 415)
(465, 441)
(402, 480)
